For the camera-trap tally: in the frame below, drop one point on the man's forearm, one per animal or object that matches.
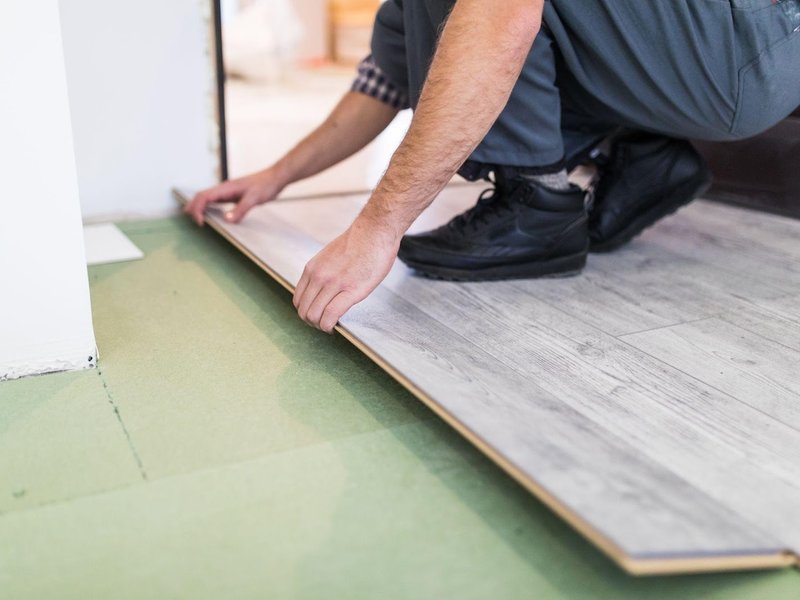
(479, 58)
(355, 122)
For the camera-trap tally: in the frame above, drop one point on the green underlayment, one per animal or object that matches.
(224, 449)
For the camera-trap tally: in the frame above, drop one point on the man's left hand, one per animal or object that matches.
(344, 273)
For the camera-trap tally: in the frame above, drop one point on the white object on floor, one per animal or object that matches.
(105, 243)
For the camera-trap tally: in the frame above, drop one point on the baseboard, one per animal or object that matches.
(50, 359)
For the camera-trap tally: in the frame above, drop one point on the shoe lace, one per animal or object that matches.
(492, 203)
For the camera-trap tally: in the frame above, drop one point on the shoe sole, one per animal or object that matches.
(686, 194)
(563, 266)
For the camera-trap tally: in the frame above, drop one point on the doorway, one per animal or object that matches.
(282, 67)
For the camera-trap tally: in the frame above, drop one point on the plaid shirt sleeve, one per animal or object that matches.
(373, 82)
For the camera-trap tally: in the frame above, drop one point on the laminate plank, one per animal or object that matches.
(726, 254)
(637, 288)
(765, 231)
(632, 290)
(751, 368)
(542, 436)
(653, 282)
(676, 248)
(672, 416)
(633, 294)
(734, 453)
(777, 320)
(590, 470)
(316, 226)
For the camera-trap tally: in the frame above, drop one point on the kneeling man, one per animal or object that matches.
(519, 92)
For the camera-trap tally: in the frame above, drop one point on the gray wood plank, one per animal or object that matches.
(776, 320)
(656, 280)
(733, 452)
(765, 231)
(749, 456)
(635, 289)
(644, 508)
(726, 254)
(757, 371)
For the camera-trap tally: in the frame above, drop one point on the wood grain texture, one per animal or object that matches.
(662, 469)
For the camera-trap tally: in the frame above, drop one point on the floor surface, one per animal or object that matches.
(652, 401)
(225, 449)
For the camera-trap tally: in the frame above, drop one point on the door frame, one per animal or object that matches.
(218, 66)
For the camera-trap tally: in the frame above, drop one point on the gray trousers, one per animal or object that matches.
(702, 69)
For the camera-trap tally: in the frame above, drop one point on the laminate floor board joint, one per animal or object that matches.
(753, 369)
(635, 297)
(700, 381)
(622, 337)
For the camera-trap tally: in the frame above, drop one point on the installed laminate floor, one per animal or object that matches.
(653, 402)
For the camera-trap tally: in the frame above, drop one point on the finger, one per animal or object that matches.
(314, 287)
(224, 192)
(320, 303)
(301, 287)
(248, 201)
(201, 202)
(197, 206)
(336, 309)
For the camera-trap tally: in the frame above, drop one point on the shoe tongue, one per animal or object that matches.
(506, 181)
(504, 178)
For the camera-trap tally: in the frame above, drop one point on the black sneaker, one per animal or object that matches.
(646, 178)
(517, 230)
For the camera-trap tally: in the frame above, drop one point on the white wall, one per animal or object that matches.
(140, 85)
(45, 315)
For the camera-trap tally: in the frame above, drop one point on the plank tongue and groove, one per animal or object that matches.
(638, 456)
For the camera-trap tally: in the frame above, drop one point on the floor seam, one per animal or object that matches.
(707, 384)
(207, 468)
(729, 317)
(125, 431)
(678, 324)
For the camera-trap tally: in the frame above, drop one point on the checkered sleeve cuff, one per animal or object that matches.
(373, 82)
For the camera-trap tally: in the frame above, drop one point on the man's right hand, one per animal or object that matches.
(246, 192)
(356, 121)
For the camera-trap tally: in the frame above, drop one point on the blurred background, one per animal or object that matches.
(287, 64)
